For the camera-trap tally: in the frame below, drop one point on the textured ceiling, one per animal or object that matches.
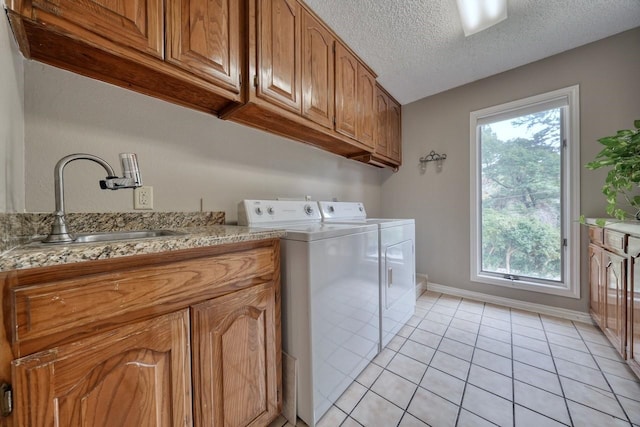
(418, 49)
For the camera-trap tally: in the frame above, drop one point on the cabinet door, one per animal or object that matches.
(614, 299)
(279, 52)
(395, 132)
(633, 309)
(366, 100)
(382, 123)
(235, 359)
(134, 376)
(595, 283)
(317, 71)
(346, 92)
(137, 23)
(203, 37)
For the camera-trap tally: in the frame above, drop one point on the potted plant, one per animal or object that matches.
(621, 152)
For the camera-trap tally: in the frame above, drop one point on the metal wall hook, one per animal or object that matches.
(432, 157)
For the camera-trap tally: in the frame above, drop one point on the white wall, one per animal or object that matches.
(11, 121)
(607, 72)
(185, 155)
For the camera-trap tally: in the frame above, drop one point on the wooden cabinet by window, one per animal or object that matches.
(204, 39)
(614, 274)
(633, 305)
(236, 332)
(123, 43)
(145, 340)
(318, 80)
(614, 301)
(596, 288)
(137, 375)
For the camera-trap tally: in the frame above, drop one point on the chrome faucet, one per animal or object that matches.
(131, 179)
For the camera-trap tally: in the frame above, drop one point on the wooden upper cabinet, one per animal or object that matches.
(395, 131)
(235, 349)
(133, 23)
(279, 62)
(203, 37)
(317, 71)
(366, 111)
(388, 134)
(346, 92)
(134, 376)
(382, 123)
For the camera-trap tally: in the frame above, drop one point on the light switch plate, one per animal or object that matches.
(143, 197)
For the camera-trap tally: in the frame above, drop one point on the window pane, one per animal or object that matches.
(521, 195)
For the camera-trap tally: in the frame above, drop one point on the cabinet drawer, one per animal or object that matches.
(615, 241)
(59, 310)
(596, 235)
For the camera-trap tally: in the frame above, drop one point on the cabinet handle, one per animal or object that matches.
(389, 277)
(6, 400)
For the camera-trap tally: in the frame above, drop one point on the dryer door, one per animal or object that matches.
(398, 288)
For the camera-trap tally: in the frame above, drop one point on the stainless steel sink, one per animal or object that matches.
(123, 235)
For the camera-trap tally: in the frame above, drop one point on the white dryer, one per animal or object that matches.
(330, 298)
(396, 255)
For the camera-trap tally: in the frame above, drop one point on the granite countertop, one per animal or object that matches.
(21, 235)
(37, 254)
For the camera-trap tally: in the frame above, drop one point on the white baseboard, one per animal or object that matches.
(421, 284)
(564, 313)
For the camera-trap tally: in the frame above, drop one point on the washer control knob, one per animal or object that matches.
(331, 209)
(308, 210)
(270, 210)
(259, 210)
(361, 209)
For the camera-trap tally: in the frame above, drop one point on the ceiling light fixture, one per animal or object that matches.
(478, 15)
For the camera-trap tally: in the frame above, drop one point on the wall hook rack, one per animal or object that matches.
(432, 157)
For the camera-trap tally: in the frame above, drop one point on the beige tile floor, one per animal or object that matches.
(460, 362)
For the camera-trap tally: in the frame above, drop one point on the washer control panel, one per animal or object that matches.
(342, 210)
(260, 212)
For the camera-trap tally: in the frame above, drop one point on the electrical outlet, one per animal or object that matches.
(143, 197)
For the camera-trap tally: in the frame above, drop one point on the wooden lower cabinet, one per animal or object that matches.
(596, 287)
(633, 305)
(614, 274)
(134, 376)
(614, 301)
(235, 354)
(181, 338)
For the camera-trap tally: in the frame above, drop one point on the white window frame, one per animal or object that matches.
(570, 284)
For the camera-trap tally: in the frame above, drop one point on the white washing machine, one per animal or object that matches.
(330, 298)
(396, 254)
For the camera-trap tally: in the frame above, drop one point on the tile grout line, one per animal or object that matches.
(624, 411)
(553, 360)
(466, 382)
